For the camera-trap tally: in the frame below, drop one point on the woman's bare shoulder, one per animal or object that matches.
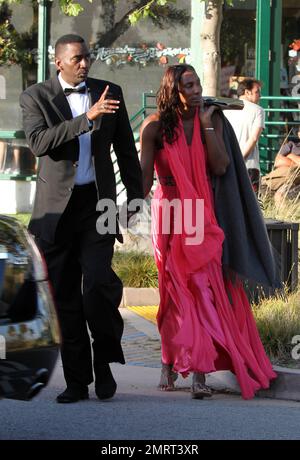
(152, 123)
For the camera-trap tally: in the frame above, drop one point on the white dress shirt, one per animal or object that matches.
(79, 104)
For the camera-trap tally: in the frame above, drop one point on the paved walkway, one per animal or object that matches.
(141, 342)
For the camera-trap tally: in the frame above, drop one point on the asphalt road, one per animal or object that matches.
(139, 411)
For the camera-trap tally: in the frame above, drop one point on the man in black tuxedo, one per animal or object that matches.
(71, 121)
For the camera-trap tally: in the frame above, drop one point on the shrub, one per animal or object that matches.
(24, 218)
(278, 321)
(135, 269)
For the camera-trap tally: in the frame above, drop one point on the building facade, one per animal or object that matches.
(255, 41)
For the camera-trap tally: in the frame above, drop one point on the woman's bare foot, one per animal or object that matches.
(199, 390)
(167, 378)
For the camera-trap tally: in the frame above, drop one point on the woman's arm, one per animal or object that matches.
(218, 159)
(295, 159)
(281, 160)
(148, 138)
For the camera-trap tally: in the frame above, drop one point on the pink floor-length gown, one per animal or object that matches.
(205, 320)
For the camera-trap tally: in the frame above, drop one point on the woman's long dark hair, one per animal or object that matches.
(168, 101)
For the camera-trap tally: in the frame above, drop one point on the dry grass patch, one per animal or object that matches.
(278, 321)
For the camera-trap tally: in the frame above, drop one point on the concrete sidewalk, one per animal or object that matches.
(141, 344)
(139, 411)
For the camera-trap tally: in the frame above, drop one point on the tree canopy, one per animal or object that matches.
(139, 8)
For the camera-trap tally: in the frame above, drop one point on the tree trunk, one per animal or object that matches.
(210, 46)
(108, 14)
(114, 30)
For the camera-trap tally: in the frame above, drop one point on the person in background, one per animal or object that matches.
(289, 154)
(284, 179)
(248, 125)
(71, 122)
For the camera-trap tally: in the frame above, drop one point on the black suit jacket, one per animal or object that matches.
(52, 134)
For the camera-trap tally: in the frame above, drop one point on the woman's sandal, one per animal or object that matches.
(199, 390)
(167, 378)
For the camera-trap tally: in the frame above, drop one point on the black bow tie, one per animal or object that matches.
(69, 91)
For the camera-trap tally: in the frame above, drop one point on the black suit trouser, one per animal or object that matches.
(86, 289)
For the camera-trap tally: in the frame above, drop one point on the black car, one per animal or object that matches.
(29, 332)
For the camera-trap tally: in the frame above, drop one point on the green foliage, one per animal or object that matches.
(24, 218)
(134, 17)
(148, 9)
(278, 321)
(15, 47)
(143, 12)
(70, 8)
(8, 44)
(278, 318)
(162, 2)
(135, 269)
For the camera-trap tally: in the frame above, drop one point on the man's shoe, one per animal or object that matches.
(71, 395)
(105, 390)
(105, 385)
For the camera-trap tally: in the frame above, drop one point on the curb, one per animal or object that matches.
(135, 297)
(286, 386)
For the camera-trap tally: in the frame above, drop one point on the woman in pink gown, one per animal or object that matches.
(204, 318)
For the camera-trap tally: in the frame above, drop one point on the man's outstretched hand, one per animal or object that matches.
(103, 106)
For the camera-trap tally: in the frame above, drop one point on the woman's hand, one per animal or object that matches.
(212, 127)
(205, 115)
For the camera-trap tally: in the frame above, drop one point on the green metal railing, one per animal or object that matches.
(276, 131)
(279, 120)
(277, 126)
(147, 107)
(136, 122)
(281, 112)
(14, 137)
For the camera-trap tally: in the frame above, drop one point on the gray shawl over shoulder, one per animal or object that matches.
(246, 249)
